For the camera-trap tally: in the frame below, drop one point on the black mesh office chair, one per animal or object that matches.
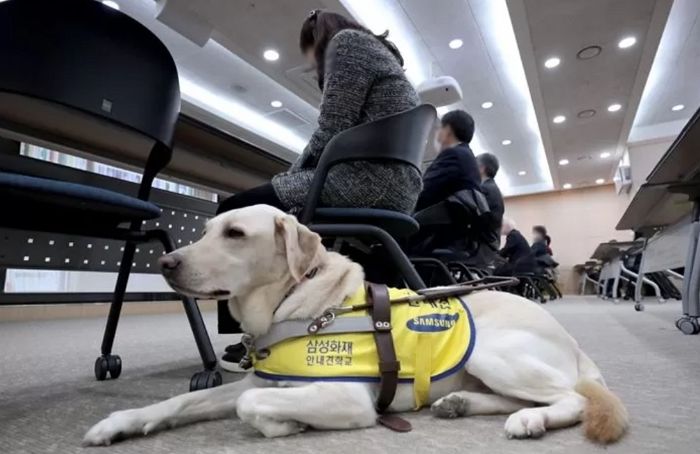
(78, 75)
(400, 138)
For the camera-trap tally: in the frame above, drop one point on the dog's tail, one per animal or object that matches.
(605, 418)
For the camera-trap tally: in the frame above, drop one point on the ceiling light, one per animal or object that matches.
(614, 107)
(567, 186)
(629, 41)
(276, 104)
(522, 172)
(271, 55)
(677, 107)
(563, 162)
(559, 119)
(506, 142)
(587, 113)
(552, 62)
(486, 105)
(599, 181)
(111, 4)
(605, 155)
(240, 114)
(456, 43)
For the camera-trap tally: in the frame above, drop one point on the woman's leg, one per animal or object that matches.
(264, 194)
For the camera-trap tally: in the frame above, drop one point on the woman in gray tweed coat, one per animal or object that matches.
(362, 80)
(361, 77)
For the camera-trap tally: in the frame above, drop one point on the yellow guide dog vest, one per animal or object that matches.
(433, 339)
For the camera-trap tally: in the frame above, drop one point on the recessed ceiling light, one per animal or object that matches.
(486, 105)
(626, 42)
(522, 172)
(276, 104)
(271, 55)
(599, 181)
(614, 107)
(111, 4)
(677, 107)
(563, 162)
(605, 155)
(552, 62)
(559, 119)
(567, 186)
(456, 43)
(506, 142)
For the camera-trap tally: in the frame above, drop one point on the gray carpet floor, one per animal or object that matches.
(49, 398)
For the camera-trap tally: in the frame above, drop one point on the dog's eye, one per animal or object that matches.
(234, 233)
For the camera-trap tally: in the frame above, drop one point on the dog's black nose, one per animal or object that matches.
(169, 262)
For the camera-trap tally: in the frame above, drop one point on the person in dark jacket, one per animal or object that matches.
(362, 79)
(488, 168)
(539, 241)
(516, 252)
(455, 166)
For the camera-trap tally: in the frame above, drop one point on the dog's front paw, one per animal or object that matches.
(526, 423)
(450, 406)
(118, 424)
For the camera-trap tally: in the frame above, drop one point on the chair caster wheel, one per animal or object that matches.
(688, 325)
(639, 307)
(205, 380)
(111, 364)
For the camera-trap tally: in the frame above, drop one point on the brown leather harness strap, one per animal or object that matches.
(389, 366)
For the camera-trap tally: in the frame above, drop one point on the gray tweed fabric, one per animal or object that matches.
(363, 82)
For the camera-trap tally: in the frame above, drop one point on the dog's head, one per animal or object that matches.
(242, 250)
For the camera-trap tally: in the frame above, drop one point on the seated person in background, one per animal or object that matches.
(541, 250)
(454, 169)
(489, 225)
(516, 252)
(539, 241)
(455, 166)
(361, 78)
(488, 168)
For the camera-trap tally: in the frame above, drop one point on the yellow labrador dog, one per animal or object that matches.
(524, 363)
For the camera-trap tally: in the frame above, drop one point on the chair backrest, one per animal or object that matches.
(87, 77)
(402, 137)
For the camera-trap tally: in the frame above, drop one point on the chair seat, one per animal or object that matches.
(398, 225)
(62, 201)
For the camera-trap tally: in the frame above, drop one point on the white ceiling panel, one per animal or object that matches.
(228, 83)
(673, 79)
(562, 28)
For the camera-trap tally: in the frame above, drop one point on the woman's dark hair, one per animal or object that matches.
(548, 239)
(321, 26)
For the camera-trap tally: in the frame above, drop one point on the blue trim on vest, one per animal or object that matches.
(447, 373)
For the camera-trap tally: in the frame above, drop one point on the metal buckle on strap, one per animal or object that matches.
(247, 361)
(327, 318)
(382, 326)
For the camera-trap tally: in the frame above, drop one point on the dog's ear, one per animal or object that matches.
(302, 247)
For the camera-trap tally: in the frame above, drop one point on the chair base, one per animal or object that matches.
(105, 364)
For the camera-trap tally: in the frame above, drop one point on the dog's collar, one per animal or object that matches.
(306, 277)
